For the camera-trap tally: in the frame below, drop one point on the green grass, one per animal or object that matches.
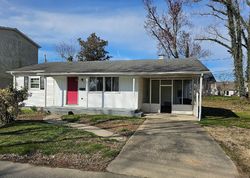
(71, 118)
(93, 119)
(226, 111)
(24, 138)
(27, 111)
(242, 121)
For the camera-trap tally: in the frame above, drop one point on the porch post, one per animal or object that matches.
(45, 91)
(87, 90)
(200, 98)
(133, 85)
(14, 81)
(150, 83)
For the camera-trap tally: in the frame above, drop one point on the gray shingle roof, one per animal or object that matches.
(116, 66)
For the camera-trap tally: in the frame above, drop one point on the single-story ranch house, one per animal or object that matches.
(115, 87)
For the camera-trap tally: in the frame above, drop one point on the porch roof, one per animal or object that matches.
(159, 66)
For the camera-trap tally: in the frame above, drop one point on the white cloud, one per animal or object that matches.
(123, 29)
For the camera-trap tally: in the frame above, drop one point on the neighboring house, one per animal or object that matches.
(115, 87)
(16, 50)
(225, 88)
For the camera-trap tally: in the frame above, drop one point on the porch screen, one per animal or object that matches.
(182, 92)
(155, 91)
(146, 90)
(95, 84)
(111, 83)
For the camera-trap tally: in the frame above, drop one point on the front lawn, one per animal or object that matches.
(227, 119)
(31, 114)
(122, 125)
(40, 143)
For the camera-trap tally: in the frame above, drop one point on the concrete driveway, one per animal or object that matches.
(173, 148)
(12, 170)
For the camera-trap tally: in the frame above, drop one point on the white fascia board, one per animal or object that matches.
(24, 72)
(125, 73)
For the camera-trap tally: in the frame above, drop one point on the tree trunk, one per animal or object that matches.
(248, 58)
(235, 30)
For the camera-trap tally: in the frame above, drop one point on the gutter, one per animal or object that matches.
(124, 73)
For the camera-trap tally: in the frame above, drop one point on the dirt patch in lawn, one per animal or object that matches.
(236, 143)
(33, 116)
(85, 162)
(122, 127)
(46, 144)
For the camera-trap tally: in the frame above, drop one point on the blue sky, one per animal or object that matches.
(121, 22)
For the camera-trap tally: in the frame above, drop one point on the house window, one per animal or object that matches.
(182, 92)
(26, 82)
(41, 83)
(155, 91)
(111, 83)
(146, 90)
(95, 83)
(34, 82)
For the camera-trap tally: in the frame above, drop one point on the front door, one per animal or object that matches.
(72, 93)
(166, 99)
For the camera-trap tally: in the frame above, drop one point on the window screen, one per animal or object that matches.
(34, 82)
(111, 83)
(146, 90)
(155, 91)
(95, 84)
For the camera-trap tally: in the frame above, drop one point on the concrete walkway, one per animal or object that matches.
(11, 170)
(168, 148)
(55, 119)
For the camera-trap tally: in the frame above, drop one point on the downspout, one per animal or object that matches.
(200, 97)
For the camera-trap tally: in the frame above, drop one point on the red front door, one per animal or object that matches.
(72, 93)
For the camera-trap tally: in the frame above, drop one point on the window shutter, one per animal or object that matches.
(26, 82)
(41, 83)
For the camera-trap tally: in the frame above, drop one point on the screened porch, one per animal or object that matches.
(176, 96)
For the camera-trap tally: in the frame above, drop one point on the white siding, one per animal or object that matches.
(82, 93)
(60, 90)
(36, 96)
(56, 94)
(125, 98)
(50, 91)
(19, 82)
(95, 99)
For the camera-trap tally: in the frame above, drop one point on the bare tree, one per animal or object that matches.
(169, 29)
(246, 38)
(67, 51)
(228, 11)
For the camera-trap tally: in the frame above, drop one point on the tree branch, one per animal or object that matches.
(214, 40)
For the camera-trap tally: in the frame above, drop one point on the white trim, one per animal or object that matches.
(45, 91)
(87, 90)
(34, 77)
(133, 85)
(121, 73)
(200, 98)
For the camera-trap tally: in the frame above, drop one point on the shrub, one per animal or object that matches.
(71, 118)
(10, 100)
(33, 108)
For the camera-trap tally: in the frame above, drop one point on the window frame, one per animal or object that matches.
(36, 88)
(111, 84)
(96, 87)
